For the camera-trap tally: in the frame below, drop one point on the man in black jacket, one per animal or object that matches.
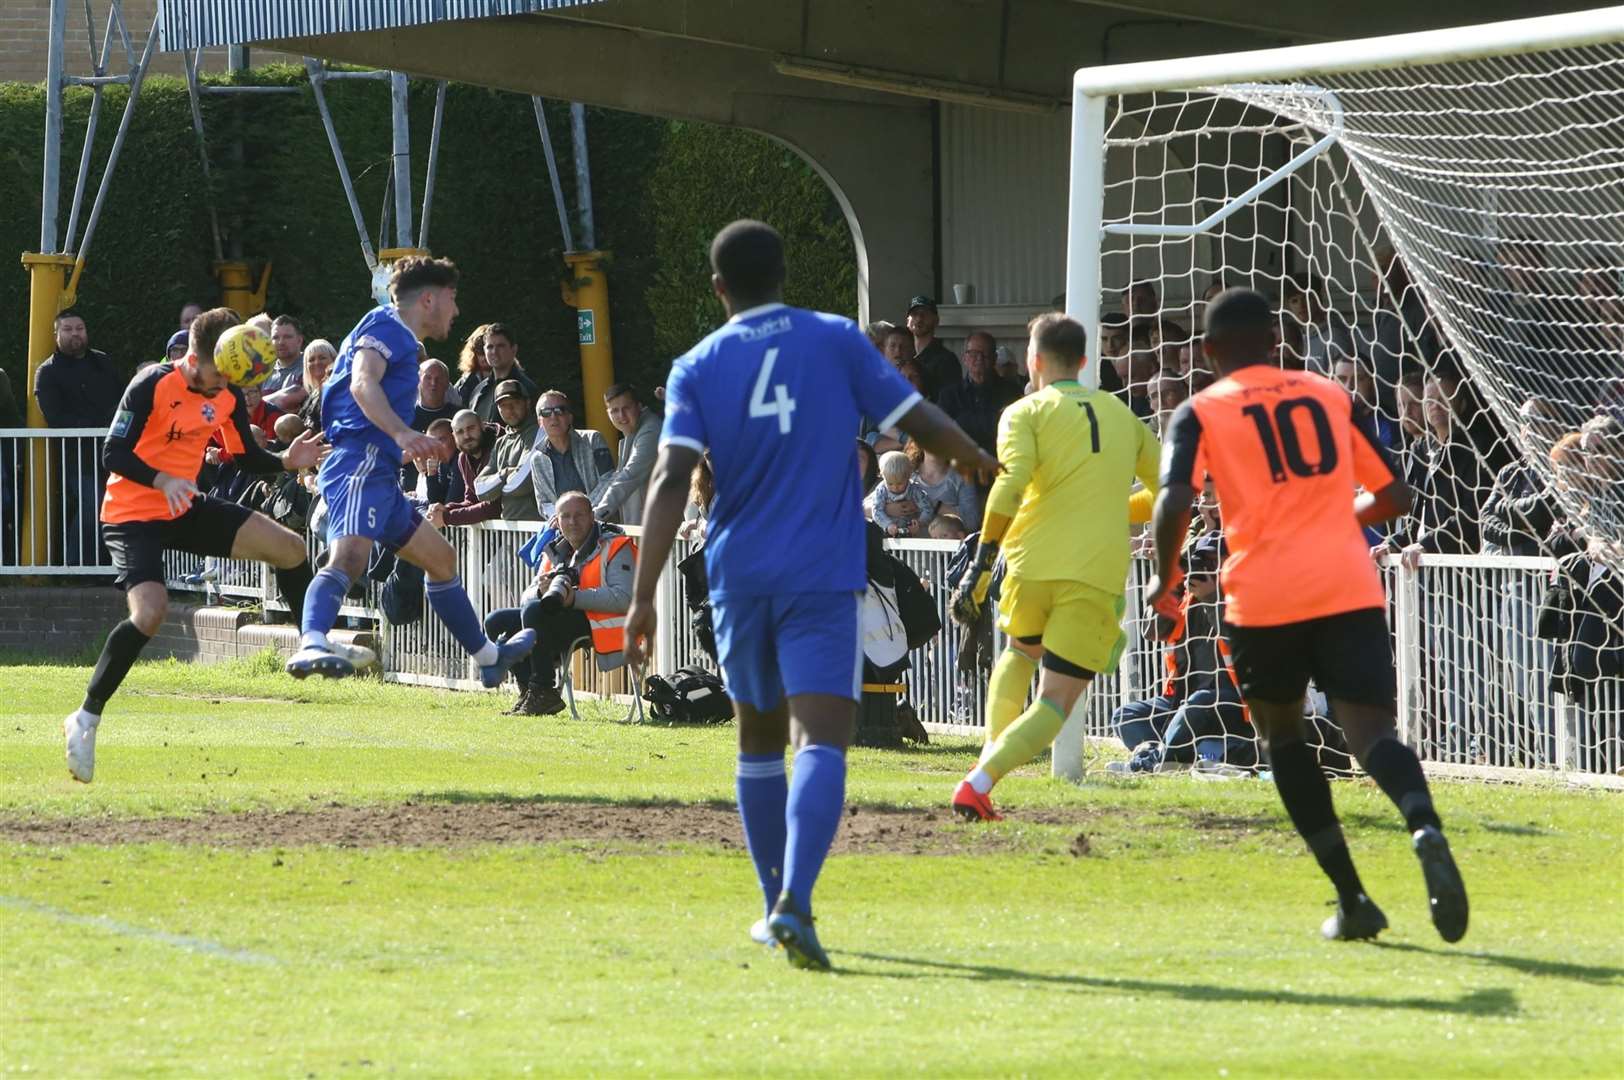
(1519, 512)
(78, 387)
(936, 360)
(976, 401)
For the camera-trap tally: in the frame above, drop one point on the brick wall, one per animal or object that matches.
(25, 27)
(56, 621)
(66, 620)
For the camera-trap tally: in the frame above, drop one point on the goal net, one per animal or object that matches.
(1440, 218)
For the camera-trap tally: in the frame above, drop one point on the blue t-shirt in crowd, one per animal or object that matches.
(381, 331)
(778, 395)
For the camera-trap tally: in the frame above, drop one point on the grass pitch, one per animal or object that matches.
(271, 878)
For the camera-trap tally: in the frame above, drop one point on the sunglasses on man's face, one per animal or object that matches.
(551, 411)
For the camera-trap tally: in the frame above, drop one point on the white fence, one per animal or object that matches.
(1475, 680)
(51, 485)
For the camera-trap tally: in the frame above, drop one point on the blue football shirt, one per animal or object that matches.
(778, 396)
(381, 331)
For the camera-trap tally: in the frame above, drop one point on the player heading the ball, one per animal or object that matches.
(153, 454)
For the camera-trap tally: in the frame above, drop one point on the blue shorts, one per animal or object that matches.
(360, 483)
(772, 647)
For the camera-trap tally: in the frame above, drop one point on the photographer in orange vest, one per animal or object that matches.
(582, 590)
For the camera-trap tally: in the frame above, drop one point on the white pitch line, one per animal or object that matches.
(102, 922)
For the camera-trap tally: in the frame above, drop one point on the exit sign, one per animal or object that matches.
(586, 323)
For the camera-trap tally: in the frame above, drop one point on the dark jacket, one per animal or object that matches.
(11, 414)
(1445, 519)
(482, 399)
(1391, 342)
(79, 393)
(422, 417)
(976, 408)
(467, 469)
(1518, 513)
(1581, 613)
(940, 367)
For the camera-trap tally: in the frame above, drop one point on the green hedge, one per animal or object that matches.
(660, 191)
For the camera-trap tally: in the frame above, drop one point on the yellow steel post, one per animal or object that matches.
(587, 291)
(47, 297)
(237, 290)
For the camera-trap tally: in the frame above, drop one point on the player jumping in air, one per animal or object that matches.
(1060, 512)
(777, 395)
(366, 409)
(153, 453)
(1285, 450)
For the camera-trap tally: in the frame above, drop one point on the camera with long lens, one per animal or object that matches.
(559, 584)
(568, 576)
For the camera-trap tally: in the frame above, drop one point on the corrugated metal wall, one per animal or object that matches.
(190, 24)
(1004, 183)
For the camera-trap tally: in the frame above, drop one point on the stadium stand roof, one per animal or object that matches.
(192, 24)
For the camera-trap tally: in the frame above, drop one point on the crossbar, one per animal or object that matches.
(1571, 30)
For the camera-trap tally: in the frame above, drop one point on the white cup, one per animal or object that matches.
(964, 294)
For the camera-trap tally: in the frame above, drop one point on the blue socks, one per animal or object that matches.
(322, 600)
(763, 791)
(451, 604)
(812, 815)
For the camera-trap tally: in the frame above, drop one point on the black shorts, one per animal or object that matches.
(1349, 656)
(209, 527)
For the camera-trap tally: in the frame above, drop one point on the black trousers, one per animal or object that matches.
(555, 631)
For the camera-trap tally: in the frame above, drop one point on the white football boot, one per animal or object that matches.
(79, 730)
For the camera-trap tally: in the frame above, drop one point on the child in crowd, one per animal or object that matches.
(948, 492)
(901, 505)
(947, 527)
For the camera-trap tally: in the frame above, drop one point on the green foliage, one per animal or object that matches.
(660, 190)
(748, 177)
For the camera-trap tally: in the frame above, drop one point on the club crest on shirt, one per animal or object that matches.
(208, 413)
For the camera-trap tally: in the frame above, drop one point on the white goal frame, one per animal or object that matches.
(1093, 87)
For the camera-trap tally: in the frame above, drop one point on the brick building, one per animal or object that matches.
(25, 29)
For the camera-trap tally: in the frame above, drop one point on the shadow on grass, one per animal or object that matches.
(1512, 830)
(1493, 1001)
(1596, 975)
(499, 798)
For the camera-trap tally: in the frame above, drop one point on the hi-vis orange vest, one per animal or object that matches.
(1229, 670)
(608, 627)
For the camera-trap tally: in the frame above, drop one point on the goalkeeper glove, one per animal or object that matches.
(971, 593)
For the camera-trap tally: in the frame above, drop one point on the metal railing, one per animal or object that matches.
(51, 485)
(1475, 680)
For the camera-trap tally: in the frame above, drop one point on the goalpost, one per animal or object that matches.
(1446, 210)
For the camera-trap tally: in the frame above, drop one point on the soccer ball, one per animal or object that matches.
(244, 355)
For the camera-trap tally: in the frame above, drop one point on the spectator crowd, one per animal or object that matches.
(517, 452)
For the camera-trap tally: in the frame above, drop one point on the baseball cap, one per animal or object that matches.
(1206, 554)
(179, 337)
(921, 301)
(510, 388)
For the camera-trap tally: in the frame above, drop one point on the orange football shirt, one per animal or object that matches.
(166, 424)
(1285, 450)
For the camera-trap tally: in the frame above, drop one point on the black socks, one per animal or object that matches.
(292, 585)
(1395, 767)
(124, 644)
(1307, 798)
